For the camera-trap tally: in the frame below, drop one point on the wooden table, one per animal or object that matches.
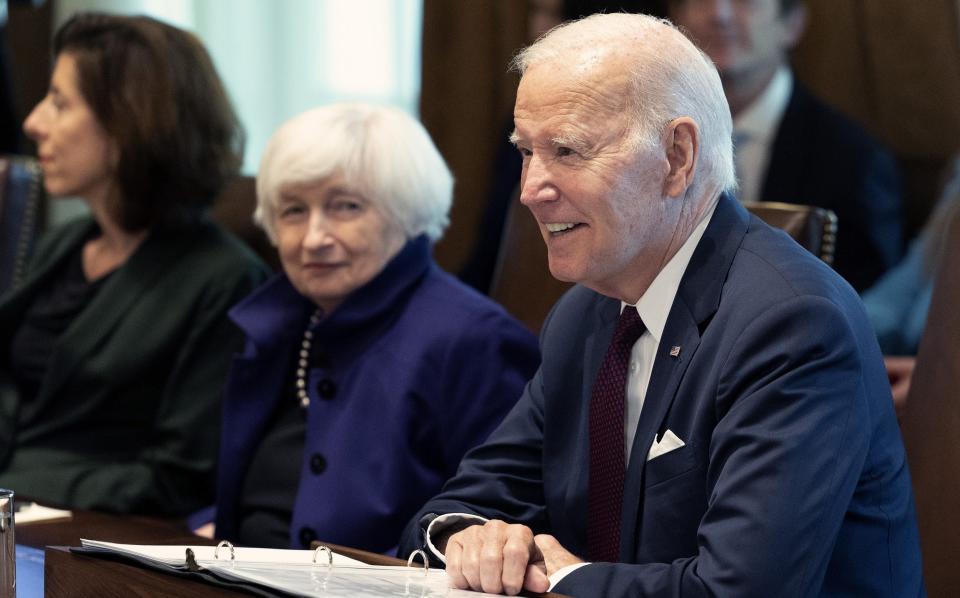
(75, 575)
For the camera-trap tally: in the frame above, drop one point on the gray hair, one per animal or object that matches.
(383, 153)
(670, 78)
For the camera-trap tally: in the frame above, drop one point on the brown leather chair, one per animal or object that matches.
(812, 227)
(931, 428)
(233, 210)
(522, 282)
(523, 285)
(21, 211)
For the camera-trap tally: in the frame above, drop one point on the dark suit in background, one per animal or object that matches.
(793, 479)
(821, 158)
(127, 416)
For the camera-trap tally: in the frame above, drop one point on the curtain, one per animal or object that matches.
(895, 67)
(281, 58)
(466, 101)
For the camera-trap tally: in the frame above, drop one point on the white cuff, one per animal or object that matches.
(559, 574)
(447, 521)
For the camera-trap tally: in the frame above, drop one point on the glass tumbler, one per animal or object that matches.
(8, 550)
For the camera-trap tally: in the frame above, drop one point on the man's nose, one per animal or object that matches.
(536, 182)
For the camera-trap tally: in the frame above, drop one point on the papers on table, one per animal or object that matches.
(295, 572)
(31, 512)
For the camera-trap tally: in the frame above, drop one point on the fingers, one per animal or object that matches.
(900, 373)
(453, 554)
(517, 551)
(492, 557)
(554, 555)
(536, 579)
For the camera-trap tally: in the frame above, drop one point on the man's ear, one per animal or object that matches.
(682, 142)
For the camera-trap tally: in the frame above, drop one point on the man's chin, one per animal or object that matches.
(565, 273)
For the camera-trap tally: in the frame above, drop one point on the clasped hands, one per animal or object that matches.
(501, 558)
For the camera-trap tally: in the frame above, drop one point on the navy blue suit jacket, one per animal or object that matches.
(820, 157)
(793, 480)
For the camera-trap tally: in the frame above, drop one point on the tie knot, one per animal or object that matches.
(629, 327)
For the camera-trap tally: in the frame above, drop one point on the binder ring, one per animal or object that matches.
(423, 557)
(320, 550)
(224, 543)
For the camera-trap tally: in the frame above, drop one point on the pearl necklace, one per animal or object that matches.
(304, 359)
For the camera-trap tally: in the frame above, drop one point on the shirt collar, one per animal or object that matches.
(761, 119)
(654, 306)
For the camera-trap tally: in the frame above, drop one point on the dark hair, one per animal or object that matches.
(577, 9)
(155, 91)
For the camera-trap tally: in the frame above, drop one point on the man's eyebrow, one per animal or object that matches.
(569, 140)
(514, 137)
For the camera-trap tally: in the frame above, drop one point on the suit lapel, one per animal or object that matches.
(696, 301)
(118, 296)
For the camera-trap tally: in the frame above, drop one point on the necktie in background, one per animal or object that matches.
(607, 449)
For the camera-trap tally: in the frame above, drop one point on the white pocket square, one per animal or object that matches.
(668, 442)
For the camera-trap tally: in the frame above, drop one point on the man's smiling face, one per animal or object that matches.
(597, 198)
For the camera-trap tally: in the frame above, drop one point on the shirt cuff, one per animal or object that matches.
(559, 574)
(444, 523)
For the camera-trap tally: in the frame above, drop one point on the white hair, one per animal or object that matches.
(670, 78)
(383, 153)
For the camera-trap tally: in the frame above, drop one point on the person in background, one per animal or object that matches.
(711, 416)
(790, 146)
(899, 302)
(114, 349)
(368, 372)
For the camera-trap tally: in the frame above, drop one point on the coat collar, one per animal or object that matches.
(275, 314)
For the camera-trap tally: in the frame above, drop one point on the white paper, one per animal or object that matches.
(31, 512)
(176, 555)
(295, 572)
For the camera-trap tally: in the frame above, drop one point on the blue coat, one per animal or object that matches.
(793, 479)
(422, 367)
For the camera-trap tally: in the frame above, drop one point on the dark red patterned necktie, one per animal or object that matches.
(607, 453)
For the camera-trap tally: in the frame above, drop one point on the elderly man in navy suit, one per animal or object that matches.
(791, 146)
(711, 416)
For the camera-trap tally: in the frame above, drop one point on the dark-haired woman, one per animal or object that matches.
(113, 351)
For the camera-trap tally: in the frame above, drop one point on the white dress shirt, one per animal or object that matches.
(654, 308)
(754, 130)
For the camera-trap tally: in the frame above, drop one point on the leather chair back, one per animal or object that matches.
(523, 285)
(812, 227)
(21, 211)
(522, 282)
(233, 210)
(931, 427)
